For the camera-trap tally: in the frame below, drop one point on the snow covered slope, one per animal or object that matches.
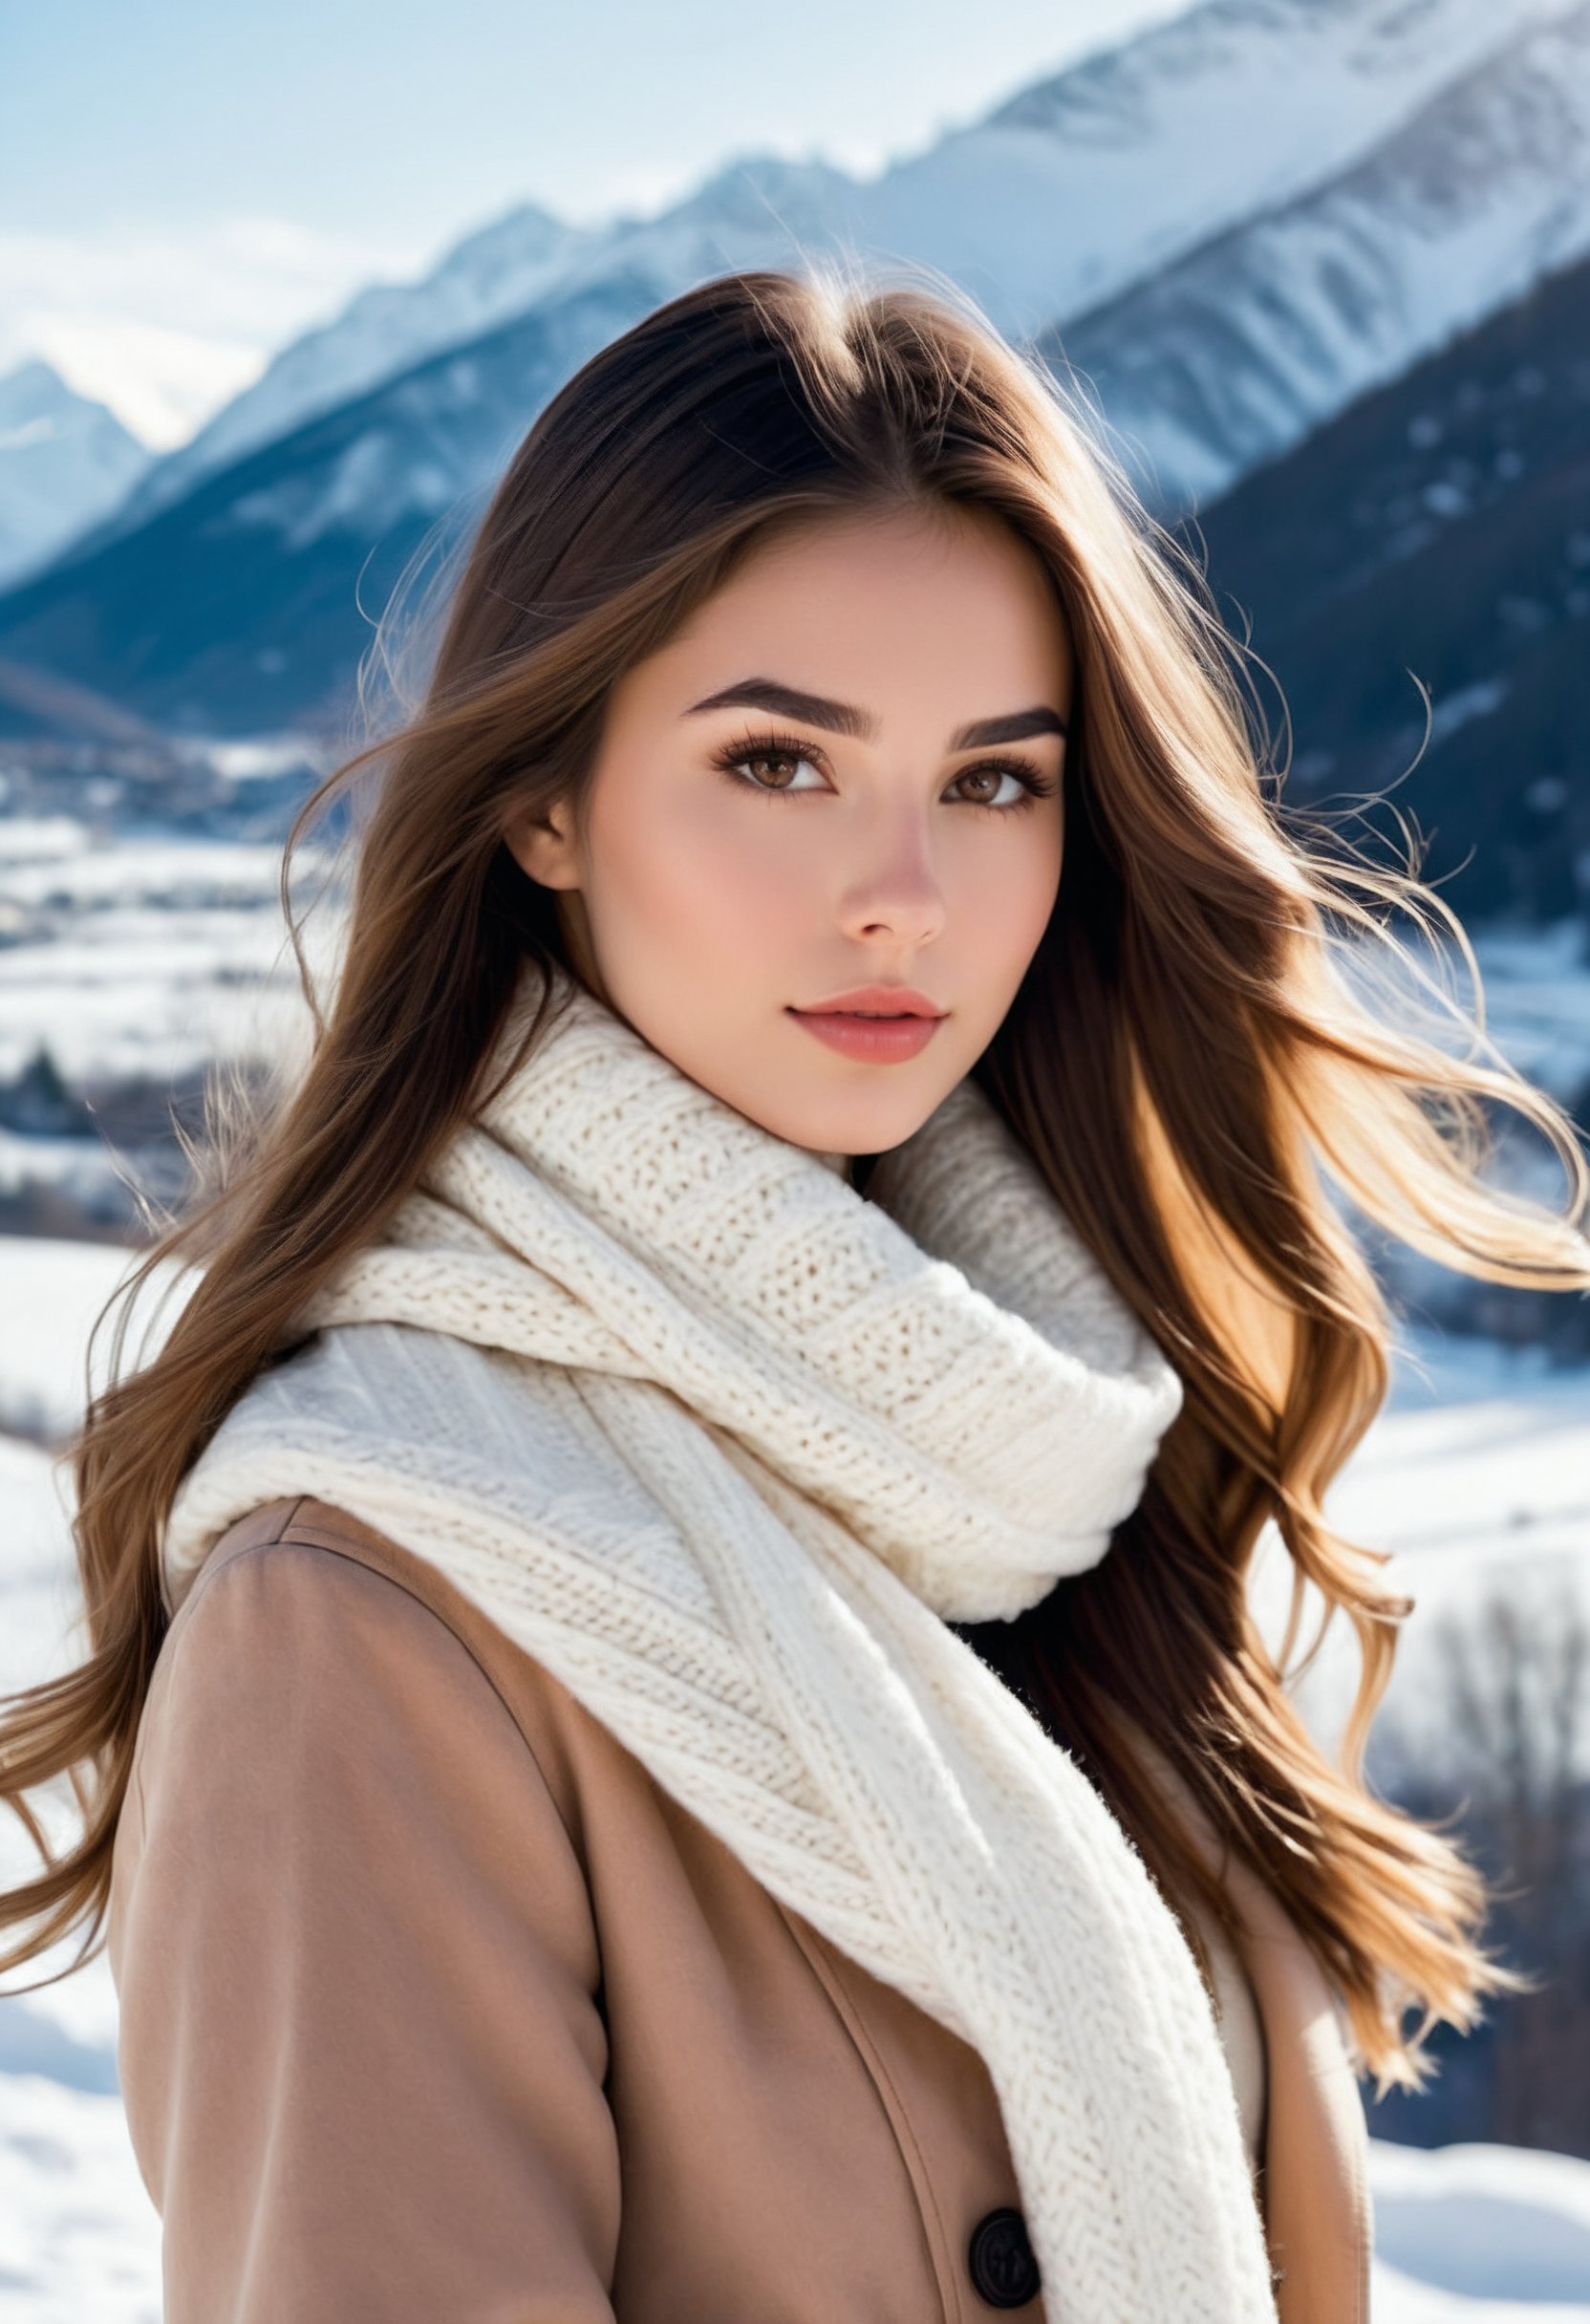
(65, 462)
(1079, 188)
(1233, 356)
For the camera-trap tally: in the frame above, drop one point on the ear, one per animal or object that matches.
(544, 847)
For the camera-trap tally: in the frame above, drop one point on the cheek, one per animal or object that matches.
(702, 876)
(1002, 900)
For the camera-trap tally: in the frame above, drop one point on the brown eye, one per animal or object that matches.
(989, 779)
(1026, 785)
(775, 770)
(770, 763)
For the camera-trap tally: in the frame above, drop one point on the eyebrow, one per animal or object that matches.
(844, 718)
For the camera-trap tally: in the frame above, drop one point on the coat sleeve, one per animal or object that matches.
(361, 2048)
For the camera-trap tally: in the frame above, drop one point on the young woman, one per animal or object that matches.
(673, 1728)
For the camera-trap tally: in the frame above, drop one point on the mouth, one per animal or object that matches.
(875, 1029)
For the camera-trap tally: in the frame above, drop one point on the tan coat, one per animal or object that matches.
(433, 2006)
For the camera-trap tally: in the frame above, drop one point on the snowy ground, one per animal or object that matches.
(49, 1295)
(1476, 1477)
(138, 955)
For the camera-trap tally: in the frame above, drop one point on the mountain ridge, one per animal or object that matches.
(1195, 92)
(237, 608)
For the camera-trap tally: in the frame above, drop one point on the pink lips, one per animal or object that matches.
(880, 1023)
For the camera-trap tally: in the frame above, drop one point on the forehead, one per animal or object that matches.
(930, 607)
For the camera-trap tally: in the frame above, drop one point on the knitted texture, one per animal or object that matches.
(725, 1444)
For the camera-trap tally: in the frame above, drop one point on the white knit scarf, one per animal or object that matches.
(725, 1444)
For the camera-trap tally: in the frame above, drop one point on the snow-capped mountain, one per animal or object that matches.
(65, 462)
(237, 610)
(749, 213)
(1237, 353)
(1342, 184)
(1086, 183)
(492, 274)
(1059, 201)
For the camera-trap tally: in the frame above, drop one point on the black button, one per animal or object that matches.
(1000, 2257)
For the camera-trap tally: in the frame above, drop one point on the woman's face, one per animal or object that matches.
(837, 790)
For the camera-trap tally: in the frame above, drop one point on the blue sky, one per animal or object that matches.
(185, 188)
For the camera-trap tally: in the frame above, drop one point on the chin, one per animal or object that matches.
(869, 1123)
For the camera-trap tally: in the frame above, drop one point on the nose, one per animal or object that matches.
(891, 886)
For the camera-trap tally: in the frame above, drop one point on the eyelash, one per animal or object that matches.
(1035, 784)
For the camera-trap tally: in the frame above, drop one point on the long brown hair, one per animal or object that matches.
(1187, 1059)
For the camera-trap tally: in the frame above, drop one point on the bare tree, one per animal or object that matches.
(1501, 1745)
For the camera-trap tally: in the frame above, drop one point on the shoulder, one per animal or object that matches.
(307, 1625)
(355, 1955)
(336, 1545)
